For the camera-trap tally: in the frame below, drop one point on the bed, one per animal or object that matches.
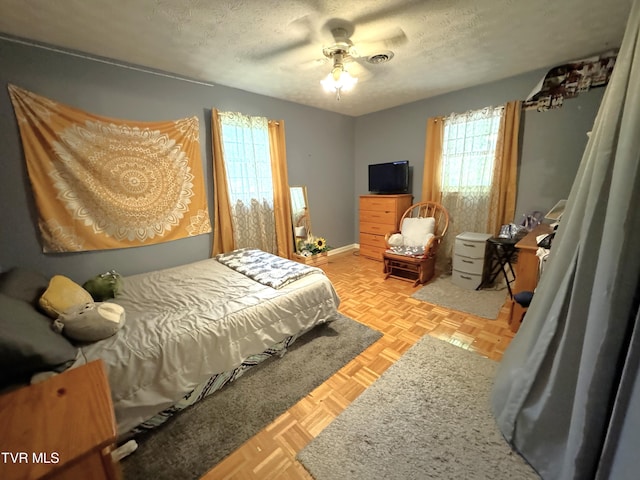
(191, 329)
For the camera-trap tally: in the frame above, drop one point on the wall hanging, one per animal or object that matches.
(101, 183)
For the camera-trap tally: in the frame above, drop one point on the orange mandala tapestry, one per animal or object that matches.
(101, 183)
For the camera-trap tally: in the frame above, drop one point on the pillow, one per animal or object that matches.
(23, 284)
(27, 343)
(91, 322)
(104, 286)
(416, 231)
(396, 240)
(62, 294)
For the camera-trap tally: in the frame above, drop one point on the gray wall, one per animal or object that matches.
(552, 142)
(325, 151)
(319, 153)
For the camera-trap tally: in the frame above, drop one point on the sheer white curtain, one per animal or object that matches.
(468, 157)
(245, 144)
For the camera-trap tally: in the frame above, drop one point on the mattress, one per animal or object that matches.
(187, 323)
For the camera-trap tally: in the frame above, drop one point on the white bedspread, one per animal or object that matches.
(186, 323)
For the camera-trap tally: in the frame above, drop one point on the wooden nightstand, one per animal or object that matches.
(62, 428)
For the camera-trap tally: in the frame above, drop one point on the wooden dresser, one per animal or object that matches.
(61, 428)
(379, 215)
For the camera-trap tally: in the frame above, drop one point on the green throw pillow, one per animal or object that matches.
(104, 286)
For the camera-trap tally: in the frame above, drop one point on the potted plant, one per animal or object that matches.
(313, 250)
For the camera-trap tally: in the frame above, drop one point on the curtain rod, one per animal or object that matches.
(114, 63)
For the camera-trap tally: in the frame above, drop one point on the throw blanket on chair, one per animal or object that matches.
(266, 268)
(101, 183)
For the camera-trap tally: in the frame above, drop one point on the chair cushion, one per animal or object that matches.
(523, 298)
(417, 231)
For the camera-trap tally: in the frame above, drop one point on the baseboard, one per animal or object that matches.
(346, 248)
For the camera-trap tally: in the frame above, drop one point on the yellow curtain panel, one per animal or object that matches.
(101, 183)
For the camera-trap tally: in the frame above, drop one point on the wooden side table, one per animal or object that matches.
(62, 428)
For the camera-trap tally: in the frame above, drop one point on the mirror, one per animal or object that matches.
(300, 214)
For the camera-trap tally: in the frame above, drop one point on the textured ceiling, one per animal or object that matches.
(274, 47)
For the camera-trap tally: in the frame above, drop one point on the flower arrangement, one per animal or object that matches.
(312, 246)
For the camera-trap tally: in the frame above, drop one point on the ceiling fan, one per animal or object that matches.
(348, 58)
(343, 53)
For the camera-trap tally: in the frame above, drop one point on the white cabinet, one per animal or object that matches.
(468, 259)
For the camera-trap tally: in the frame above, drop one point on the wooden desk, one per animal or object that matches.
(61, 428)
(526, 269)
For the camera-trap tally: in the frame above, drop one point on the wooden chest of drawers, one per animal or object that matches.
(379, 215)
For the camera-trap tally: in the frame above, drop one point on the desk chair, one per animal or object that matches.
(524, 300)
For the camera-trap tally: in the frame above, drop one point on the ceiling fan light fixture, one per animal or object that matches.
(338, 80)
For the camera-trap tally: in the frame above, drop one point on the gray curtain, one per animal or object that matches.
(567, 393)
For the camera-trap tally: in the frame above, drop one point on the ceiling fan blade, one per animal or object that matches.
(358, 70)
(308, 25)
(387, 12)
(337, 30)
(312, 64)
(305, 28)
(392, 40)
(288, 49)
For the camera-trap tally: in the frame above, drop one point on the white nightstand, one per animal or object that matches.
(468, 259)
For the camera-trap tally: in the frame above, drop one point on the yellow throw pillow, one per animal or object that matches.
(62, 294)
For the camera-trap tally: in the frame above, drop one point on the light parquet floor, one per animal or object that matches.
(387, 306)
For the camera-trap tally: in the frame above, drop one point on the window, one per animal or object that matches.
(247, 160)
(246, 153)
(468, 157)
(468, 151)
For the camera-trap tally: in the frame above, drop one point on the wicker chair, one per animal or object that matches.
(416, 261)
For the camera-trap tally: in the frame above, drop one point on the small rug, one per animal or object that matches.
(443, 292)
(194, 441)
(427, 416)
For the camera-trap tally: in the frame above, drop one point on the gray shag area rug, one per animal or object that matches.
(427, 416)
(194, 441)
(484, 303)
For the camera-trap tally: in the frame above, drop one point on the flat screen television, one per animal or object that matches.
(389, 178)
